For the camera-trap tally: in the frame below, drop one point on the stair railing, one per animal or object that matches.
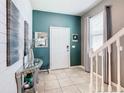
(94, 55)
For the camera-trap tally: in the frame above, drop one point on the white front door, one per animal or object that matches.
(59, 47)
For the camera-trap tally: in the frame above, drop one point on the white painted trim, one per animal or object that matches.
(70, 67)
(109, 70)
(99, 76)
(78, 66)
(42, 70)
(118, 65)
(114, 84)
(82, 67)
(88, 34)
(96, 73)
(91, 75)
(45, 70)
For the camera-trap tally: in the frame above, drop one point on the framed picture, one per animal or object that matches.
(75, 37)
(41, 39)
(26, 40)
(13, 24)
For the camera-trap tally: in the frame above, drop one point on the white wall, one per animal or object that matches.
(7, 74)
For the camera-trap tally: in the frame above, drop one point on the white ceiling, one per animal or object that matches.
(72, 7)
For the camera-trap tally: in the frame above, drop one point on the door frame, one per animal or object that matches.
(69, 63)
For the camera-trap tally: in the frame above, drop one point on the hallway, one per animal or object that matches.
(73, 80)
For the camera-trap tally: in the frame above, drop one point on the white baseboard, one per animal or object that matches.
(69, 67)
(99, 76)
(115, 85)
(45, 70)
(78, 66)
(82, 67)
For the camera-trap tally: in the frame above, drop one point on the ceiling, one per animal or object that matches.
(72, 7)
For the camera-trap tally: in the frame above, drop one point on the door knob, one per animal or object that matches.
(67, 48)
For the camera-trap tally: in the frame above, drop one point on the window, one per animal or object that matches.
(96, 31)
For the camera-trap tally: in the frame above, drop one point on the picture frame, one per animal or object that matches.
(12, 27)
(41, 39)
(26, 39)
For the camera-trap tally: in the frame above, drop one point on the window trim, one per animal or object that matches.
(88, 29)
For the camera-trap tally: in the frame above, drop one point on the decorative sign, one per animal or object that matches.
(75, 37)
(41, 39)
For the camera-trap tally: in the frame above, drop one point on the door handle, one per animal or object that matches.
(67, 48)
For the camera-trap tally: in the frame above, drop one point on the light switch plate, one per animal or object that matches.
(73, 46)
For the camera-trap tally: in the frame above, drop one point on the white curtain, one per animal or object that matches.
(106, 35)
(96, 31)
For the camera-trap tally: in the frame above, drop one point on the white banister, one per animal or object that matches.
(96, 73)
(102, 86)
(91, 71)
(109, 42)
(107, 45)
(91, 76)
(109, 63)
(118, 65)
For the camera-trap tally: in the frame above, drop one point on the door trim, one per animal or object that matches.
(69, 63)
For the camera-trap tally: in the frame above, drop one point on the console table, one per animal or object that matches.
(22, 72)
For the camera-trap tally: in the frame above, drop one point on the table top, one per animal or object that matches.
(31, 67)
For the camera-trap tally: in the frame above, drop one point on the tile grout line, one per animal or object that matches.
(44, 85)
(59, 83)
(60, 86)
(58, 80)
(73, 83)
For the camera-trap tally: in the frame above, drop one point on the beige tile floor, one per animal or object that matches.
(74, 80)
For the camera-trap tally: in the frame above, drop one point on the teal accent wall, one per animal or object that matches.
(42, 22)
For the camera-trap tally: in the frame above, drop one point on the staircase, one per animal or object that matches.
(94, 65)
